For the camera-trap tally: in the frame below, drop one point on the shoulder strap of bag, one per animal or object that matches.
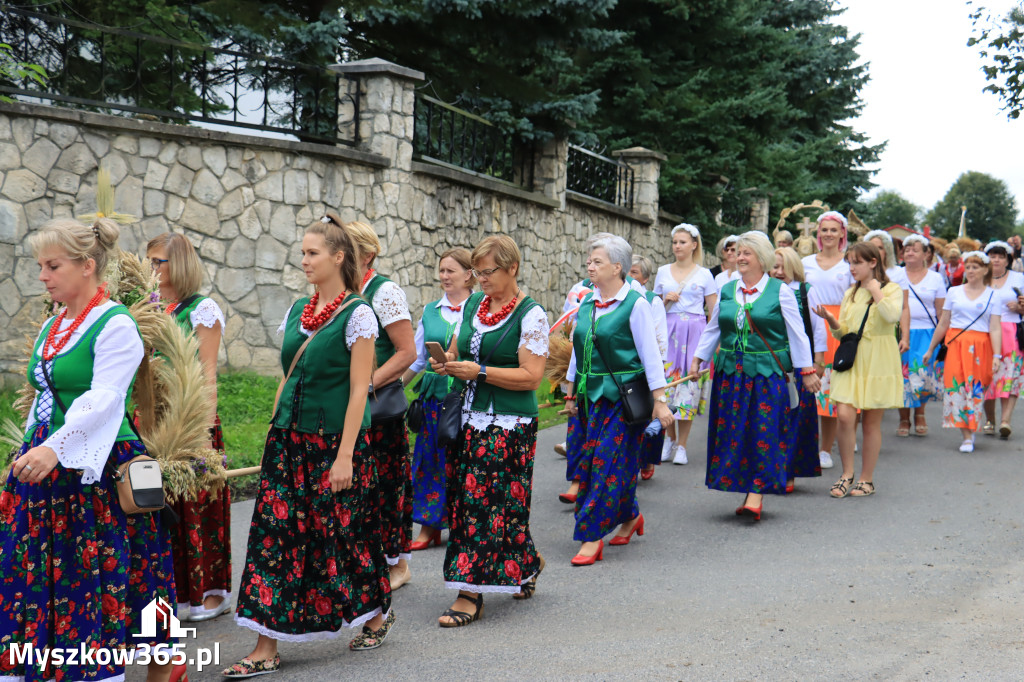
(805, 313)
(974, 320)
(867, 311)
(930, 318)
(298, 353)
(753, 326)
(593, 327)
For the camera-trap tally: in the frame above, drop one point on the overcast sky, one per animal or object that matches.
(925, 97)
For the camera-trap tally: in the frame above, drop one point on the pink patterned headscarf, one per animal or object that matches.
(838, 217)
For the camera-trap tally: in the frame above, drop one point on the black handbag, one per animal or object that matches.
(637, 399)
(414, 415)
(846, 353)
(449, 419)
(388, 402)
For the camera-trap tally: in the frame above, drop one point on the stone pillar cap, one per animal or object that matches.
(378, 65)
(640, 153)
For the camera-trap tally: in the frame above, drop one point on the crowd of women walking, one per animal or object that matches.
(786, 357)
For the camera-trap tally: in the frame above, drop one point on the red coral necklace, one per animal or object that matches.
(492, 319)
(312, 322)
(52, 345)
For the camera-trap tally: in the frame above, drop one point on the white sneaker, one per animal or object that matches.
(826, 460)
(666, 450)
(967, 446)
(560, 449)
(680, 456)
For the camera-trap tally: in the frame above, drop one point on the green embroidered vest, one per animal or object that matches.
(383, 346)
(650, 296)
(505, 401)
(435, 328)
(315, 398)
(740, 341)
(183, 316)
(593, 376)
(71, 373)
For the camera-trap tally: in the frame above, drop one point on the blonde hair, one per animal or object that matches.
(762, 248)
(184, 269)
(365, 240)
(337, 237)
(791, 263)
(79, 241)
(502, 249)
(976, 258)
(465, 260)
(698, 252)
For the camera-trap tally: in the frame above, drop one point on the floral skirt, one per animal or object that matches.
(68, 574)
(825, 406)
(576, 433)
(314, 562)
(1010, 376)
(684, 332)
(968, 372)
(201, 542)
(389, 442)
(749, 444)
(920, 381)
(428, 464)
(608, 472)
(804, 461)
(490, 485)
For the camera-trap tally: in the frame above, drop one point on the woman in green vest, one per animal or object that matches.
(64, 540)
(756, 326)
(315, 562)
(439, 324)
(615, 342)
(499, 363)
(202, 538)
(395, 352)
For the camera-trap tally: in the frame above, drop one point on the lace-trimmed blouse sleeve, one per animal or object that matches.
(362, 324)
(207, 314)
(390, 304)
(94, 418)
(534, 331)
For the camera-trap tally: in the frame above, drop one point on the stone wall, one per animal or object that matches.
(244, 201)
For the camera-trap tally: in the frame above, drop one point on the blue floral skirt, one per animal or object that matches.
(921, 381)
(74, 568)
(748, 434)
(608, 471)
(805, 461)
(428, 478)
(575, 434)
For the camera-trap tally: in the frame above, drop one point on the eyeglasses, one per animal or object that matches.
(156, 262)
(480, 274)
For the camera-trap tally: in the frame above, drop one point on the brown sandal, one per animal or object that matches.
(920, 426)
(530, 586)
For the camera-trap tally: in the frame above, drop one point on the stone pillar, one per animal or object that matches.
(383, 113)
(550, 170)
(759, 214)
(646, 165)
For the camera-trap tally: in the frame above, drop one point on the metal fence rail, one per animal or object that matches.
(453, 136)
(599, 177)
(122, 72)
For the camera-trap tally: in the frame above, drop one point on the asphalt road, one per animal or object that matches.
(924, 580)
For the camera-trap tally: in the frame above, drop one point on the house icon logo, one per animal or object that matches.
(159, 613)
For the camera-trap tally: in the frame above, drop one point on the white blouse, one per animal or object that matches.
(723, 278)
(94, 418)
(641, 326)
(389, 302)
(660, 325)
(361, 324)
(799, 344)
(700, 284)
(1005, 295)
(817, 323)
(448, 315)
(963, 311)
(533, 334)
(898, 275)
(929, 289)
(207, 314)
(831, 284)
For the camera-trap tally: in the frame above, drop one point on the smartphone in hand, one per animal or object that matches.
(436, 351)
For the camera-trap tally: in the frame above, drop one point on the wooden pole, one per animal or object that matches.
(246, 471)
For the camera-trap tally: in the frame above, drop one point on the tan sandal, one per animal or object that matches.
(920, 426)
(841, 488)
(863, 489)
(903, 430)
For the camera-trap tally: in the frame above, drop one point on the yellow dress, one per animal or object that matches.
(875, 382)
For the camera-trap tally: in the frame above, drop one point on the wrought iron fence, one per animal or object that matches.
(453, 136)
(599, 177)
(123, 72)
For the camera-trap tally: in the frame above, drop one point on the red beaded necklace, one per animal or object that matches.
(491, 320)
(171, 307)
(52, 346)
(367, 277)
(312, 322)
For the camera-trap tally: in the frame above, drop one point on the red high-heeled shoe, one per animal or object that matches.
(646, 474)
(435, 537)
(567, 498)
(750, 511)
(790, 486)
(580, 560)
(638, 528)
(179, 673)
